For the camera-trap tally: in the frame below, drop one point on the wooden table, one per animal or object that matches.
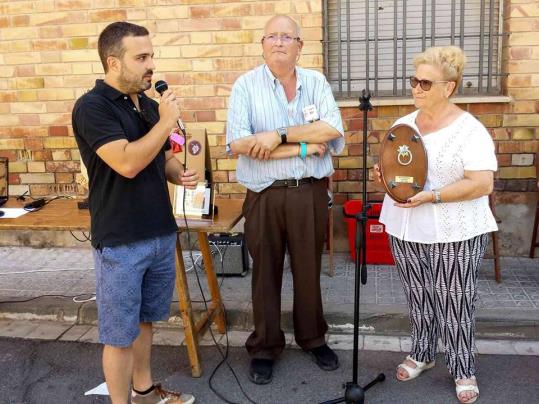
(229, 213)
(61, 214)
(64, 215)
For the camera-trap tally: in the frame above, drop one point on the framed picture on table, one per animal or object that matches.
(198, 202)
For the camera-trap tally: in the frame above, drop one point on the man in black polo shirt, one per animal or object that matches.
(123, 140)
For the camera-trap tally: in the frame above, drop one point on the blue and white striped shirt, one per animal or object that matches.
(258, 103)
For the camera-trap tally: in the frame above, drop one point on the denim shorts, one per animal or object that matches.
(134, 284)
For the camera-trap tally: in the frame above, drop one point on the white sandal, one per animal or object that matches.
(414, 372)
(461, 388)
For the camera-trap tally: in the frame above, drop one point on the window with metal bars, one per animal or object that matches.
(397, 30)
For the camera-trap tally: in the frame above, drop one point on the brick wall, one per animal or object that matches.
(519, 140)
(48, 58)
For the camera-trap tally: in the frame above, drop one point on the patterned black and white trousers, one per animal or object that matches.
(440, 284)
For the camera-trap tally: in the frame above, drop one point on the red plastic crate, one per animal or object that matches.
(378, 251)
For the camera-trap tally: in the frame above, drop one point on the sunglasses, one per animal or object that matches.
(425, 84)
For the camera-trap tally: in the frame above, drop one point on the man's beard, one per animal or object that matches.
(130, 84)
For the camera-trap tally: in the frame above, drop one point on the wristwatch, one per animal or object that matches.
(437, 196)
(282, 132)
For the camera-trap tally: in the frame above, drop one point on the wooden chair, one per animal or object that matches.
(495, 245)
(535, 243)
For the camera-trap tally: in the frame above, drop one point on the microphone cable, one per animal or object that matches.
(161, 86)
(224, 355)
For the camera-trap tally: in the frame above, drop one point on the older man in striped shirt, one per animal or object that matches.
(284, 124)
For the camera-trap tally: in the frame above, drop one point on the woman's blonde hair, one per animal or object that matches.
(450, 59)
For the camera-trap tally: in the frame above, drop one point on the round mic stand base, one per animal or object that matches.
(354, 393)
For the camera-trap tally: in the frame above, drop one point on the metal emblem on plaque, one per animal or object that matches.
(403, 163)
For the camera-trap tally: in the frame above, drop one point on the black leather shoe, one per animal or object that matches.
(324, 357)
(261, 371)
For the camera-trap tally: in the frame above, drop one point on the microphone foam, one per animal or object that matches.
(161, 86)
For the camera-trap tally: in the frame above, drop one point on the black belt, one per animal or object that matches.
(294, 183)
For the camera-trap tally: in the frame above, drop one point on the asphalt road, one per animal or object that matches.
(60, 372)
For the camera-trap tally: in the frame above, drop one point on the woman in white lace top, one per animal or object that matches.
(439, 237)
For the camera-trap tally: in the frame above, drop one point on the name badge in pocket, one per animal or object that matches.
(310, 113)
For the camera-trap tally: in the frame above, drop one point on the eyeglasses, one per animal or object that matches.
(285, 39)
(425, 84)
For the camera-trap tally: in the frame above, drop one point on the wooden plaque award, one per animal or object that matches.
(403, 163)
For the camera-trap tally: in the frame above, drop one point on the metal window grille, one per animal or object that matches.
(397, 30)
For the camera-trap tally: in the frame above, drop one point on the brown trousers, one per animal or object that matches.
(277, 219)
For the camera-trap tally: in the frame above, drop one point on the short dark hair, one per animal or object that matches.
(110, 40)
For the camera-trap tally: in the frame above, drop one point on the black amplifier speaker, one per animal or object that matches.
(229, 253)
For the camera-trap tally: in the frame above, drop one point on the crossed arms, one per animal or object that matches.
(267, 145)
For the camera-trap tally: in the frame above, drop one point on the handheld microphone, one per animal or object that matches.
(161, 86)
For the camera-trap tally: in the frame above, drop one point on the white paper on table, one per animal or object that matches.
(100, 390)
(12, 213)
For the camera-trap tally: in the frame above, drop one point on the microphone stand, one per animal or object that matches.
(354, 393)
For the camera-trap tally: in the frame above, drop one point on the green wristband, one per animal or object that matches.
(303, 153)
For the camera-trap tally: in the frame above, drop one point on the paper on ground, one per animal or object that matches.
(13, 213)
(100, 390)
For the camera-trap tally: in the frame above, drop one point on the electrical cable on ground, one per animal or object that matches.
(74, 297)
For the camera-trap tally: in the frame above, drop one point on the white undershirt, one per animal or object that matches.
(463, 145)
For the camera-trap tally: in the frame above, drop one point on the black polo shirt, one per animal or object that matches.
(122, 210)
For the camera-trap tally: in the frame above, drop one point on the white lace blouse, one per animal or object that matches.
(463, 145)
